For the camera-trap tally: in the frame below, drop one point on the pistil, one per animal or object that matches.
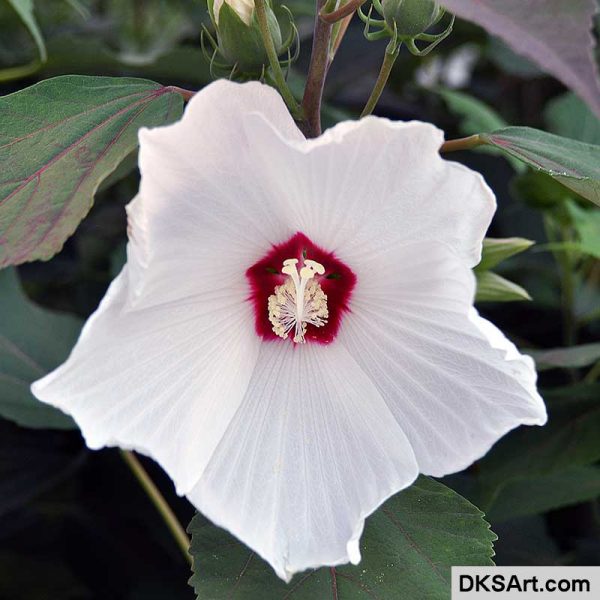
(299, 301)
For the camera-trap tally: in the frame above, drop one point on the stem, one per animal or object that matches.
(159, 502)
(567, 267)
(344, 11)
(384, 73)
(338, 33)
(317, 72)
(278, 76)
(593, 374)
(12, 73)
(462, 144)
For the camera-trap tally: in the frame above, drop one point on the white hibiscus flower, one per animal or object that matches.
(293, 337)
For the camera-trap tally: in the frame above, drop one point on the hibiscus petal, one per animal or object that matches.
(201, 196)
(311, 452)
(368, 185)
(452, 380)
(164, 380)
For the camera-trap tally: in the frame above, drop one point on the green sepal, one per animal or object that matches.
(497, 250)
(242, 44)
(411, 17)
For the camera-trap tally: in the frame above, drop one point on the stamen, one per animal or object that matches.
(299, 301)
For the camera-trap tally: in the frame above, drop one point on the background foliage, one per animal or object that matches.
(73, 523)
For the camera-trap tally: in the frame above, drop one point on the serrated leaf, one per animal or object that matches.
(407, 548)
(574, 164)
(555, 34)
(497, 250)
(33, 341)
(24, 8)
(60, 138)
(573, 357)
(491, 287)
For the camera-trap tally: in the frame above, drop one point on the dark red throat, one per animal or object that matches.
(337, 283)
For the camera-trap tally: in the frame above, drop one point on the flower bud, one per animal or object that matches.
(411, 17)
(238, 34)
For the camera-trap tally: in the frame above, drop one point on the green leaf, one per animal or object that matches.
(24, 8)
(587, 226)
(574, 164)
(569, 439)
(570, 117)
(33, 341)
(60, 139)
(573, 357)
(539, 494)
(497, 250)
(491, 287)
(477, 117)
(407, 548)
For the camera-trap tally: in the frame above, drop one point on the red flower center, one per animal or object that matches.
(305, 297)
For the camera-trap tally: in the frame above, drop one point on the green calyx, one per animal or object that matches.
(238, 48)
(411, 17)
(405, 21)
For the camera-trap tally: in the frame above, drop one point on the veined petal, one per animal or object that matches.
(454, 383)
(366, 186)
(164, 380)
(201, 197)
(311, 452)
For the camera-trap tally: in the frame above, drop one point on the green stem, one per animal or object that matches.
(278, 76)
(593, 374)
(568, 291)
(317, 72)
(159, 502)
(384, 74)
(462, 144)
(12, 73)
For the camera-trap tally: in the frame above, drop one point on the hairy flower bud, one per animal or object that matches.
(411, 17)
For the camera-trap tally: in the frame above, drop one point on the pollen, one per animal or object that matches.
(299, 301)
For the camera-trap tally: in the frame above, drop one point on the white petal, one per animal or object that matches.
(368, 185)
(201, 198)
(452, 380)
(164, 380)
(311, 452)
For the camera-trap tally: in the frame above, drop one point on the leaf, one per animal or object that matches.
(574, 164)
(491, 287)
(24, 8)
(569, 117)
(33, 341)
(573, 357)
(539, 494)
(477, 117)
(408, 548)
(555, 34)
(569, 439)
(60, 139)
(497, 250)
(587, 226)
